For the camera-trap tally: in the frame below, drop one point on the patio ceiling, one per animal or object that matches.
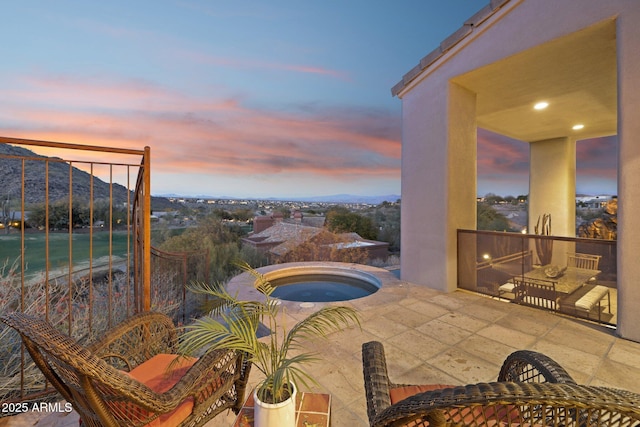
(575, 74)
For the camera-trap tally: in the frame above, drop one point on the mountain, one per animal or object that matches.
(11, 171)
(350, 198)
(336, 198)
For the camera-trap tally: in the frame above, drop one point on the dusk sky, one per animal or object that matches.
(244, 98)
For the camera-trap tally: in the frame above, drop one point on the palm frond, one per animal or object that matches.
(261, 282)
(233, 324)
(218, 298)
(209, 334)
(322, 322)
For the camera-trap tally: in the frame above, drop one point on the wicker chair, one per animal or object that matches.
(531, 390)
(132, 377)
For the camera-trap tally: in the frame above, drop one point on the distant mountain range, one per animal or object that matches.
(11, 179)
(336, 198)
(350, 198)
(58, 180)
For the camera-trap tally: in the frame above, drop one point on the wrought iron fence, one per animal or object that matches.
(181, 268)
(574, 276)
(74, 246)
(80, 257)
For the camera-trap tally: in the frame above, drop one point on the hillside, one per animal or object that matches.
(34, 180)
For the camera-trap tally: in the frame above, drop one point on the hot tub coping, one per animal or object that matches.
(243, 284)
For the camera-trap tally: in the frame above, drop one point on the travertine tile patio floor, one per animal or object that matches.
(455, 338)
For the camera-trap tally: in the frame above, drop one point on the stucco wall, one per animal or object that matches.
(433, 195)
(628, 37)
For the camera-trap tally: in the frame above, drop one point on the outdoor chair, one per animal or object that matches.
(133, 376)
(587, 261)
(536, 293)
(531, 390)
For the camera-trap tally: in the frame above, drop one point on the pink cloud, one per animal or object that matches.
(597, 158)
(503, 164)
(199, 135)
(498, 154)
(100, 94)
(205, 58)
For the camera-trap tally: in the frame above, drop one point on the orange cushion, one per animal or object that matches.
(154, 374)
(503, 413)
(399, 393)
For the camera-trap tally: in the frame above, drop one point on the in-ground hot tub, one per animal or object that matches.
(322, 283)
(310, 282)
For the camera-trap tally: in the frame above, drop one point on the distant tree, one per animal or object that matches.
(510, 199)
(59, 215)
(221, 214)
(6, 216)
(254, 257)
(390, 234)
(286, 212)
(221, 242)
(492, 199)
(490, 219)
(386, 218)
(242, 214)
(341, 220)
(104, 211)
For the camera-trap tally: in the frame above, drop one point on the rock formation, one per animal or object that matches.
(605, 227)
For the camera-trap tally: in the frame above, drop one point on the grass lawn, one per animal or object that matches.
(35, 249)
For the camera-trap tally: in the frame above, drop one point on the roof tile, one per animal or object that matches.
(497, 4)
(456, 37)
(476, 20)
(412, 74)
(480, 16)
(431, 57)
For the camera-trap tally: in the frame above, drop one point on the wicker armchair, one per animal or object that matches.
(132, 376)
(531, 389)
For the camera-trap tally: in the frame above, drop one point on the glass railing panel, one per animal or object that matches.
(579, 274)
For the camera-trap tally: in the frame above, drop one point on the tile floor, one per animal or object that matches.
(429, 336)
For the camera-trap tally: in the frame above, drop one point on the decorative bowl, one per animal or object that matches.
(554, 271)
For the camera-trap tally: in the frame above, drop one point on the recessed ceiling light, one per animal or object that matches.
(578, 126)
(541, 105)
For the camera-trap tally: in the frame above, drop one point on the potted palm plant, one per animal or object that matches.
(233, 324)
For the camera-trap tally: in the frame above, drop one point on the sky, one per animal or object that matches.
(277, 98)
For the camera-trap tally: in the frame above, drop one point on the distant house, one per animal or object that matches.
(290, 240)
(14, 219)
(261, 223)
(592, 202)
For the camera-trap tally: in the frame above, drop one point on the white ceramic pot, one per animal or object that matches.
(281, 414)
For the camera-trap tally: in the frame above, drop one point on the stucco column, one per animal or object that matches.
(628, 43)
(438, 180)
(552, 184)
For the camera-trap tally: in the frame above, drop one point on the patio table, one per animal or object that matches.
(572, 279)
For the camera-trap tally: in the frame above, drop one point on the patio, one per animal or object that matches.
(455, 338)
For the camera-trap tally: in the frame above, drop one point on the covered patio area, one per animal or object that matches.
(538, 72)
